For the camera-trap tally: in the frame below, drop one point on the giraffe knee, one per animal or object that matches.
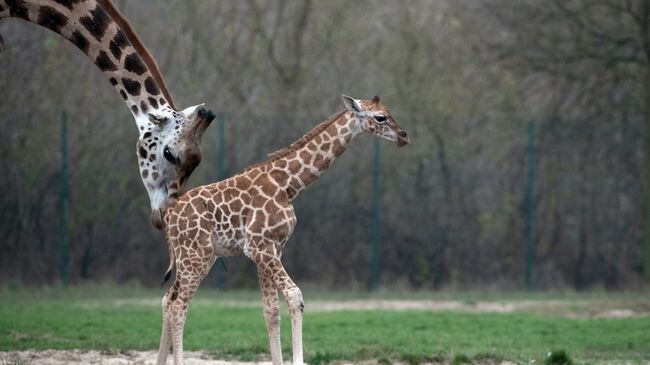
(172, 293)
(272, 312)
(171, 296)
(272, 316)
(295, 300)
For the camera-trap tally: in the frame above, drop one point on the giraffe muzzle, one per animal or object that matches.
(157, 218)
(402, 139)
(206, 114)
(201, 121)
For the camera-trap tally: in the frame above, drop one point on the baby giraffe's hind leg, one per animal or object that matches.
(165, 337)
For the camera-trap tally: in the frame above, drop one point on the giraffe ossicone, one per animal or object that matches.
(98, 29)
(252, 213)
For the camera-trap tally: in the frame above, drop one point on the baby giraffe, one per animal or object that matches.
(252, 213)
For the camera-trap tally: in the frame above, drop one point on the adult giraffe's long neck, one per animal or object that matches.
(100, 31)
(297, 167)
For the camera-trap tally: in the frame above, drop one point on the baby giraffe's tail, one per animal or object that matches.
(171, 265)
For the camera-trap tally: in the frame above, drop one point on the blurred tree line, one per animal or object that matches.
(462, 77)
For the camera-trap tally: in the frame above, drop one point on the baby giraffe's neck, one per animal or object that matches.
(314, 153)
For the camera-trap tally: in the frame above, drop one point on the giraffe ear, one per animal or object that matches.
(352, 104)
(158, 119)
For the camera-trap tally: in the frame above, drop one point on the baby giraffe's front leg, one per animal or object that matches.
(271, 315)
(189, 275)
(269, 265)
(293, 296)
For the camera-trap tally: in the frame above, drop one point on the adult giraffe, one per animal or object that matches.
(168, 146)
(252, 213)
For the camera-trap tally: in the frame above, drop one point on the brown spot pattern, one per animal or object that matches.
(133, 63)
(96, 22)
(51, 18)
(104, 62)
(131, 86)
(68, 3)
(151, 86)
(80, 41)
(18, 9)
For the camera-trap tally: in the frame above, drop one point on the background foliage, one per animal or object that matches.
(462, 77)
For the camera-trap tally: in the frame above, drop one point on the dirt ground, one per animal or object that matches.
(79, 357)
(84, 357)
(573, 309)
(560, 308)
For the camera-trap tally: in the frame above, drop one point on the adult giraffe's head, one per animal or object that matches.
(168, 151)
(375, 118)
(168, 147)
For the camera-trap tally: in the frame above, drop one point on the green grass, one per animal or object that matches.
(130, 318)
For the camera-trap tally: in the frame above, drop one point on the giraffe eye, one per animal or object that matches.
(167, 153)
(380, 118)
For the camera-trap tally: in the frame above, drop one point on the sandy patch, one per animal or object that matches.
(570, 309)
(406, 305)
(83, 357)
(561, 308)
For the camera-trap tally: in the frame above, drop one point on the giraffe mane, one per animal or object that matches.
(300, 142)
(139, 47)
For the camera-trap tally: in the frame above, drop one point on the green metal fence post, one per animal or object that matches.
(529, 206)
(375, 259)
(64, 204)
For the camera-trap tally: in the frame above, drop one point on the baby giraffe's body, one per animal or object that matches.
(252, 213)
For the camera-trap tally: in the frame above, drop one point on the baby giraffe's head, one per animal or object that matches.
(168, 151)
(373, 117)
